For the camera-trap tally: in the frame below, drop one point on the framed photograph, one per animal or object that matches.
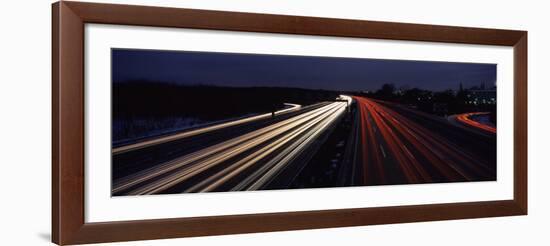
(176, 122)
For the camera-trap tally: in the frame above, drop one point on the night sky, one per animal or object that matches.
(341, 74)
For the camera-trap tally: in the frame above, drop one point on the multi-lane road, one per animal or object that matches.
(466, 120)
(401, 145)
(245, 154)
(386, 144)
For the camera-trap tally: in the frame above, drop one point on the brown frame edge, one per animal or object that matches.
(68, 224)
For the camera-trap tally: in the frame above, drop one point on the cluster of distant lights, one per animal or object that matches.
(475, 101)
(482, 101)
(426, 98)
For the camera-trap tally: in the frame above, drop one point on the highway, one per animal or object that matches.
(245, 154)
(351, 141)
(466, 119)
(194, 132)
(399, 145)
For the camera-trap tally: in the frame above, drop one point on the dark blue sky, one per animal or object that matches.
(233, 69)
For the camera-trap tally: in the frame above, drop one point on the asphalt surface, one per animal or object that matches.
(247, 155)
(400, 145)
(355, 141)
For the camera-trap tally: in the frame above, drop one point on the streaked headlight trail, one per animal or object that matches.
(385, 143)
(287, 138)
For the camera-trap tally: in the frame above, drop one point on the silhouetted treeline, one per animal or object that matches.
(145, 99)
(441, 103)
(159, 102)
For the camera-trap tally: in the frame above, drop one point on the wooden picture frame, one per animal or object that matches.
(68, 223)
